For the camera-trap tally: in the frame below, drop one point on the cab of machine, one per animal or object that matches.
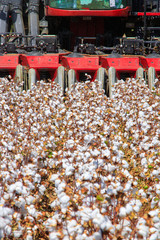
(101, 8)
(87, 4)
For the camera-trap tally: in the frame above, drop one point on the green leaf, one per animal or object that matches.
(156, 199)
(100, 198)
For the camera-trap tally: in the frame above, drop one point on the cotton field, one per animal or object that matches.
(80, 166)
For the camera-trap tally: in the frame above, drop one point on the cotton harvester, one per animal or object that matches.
(77, 40)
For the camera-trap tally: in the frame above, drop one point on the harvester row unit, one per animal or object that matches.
(79, 40)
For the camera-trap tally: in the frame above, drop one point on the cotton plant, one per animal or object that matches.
(79, 166)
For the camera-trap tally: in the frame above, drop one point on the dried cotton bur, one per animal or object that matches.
(81, 166)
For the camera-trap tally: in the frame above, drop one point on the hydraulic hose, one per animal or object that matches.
(17, 18)
(4, 8)
(15, 7)
(33, 19)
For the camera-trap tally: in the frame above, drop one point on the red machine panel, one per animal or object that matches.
(46, 61)
(153, 62)
(148, 13)
(88, 63)
(86, 12)
(9, 61)
(130, 63)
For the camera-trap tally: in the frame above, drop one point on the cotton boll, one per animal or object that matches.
(125, 145)
(127, 187)
(31, 210)
(154, 213)
(16, 187)
(97, 236)
(47, 112)
(20, 203)
(157, 225)
(144, 162)
(153, 203)
(143, 232)
(42, 189)
(122, 212)
(53, 236)
(142, 193)
(17, 233)
(72, 223)
(155, 173)
(109, 167)
(88, 138)
(136, 208)
(29, 237)
(66, 238)
(80, 230)
(53, 177)
(106, 153)
(17, 216)
(135, 183)
(125, 164)
(87, 155)
(55, 203)
(126, 173)
(129, 208)
(153, 230)
(29, 200)
(4, 211)
(118, 227)
(64, 200)
(94, 212)
(2, 223)
(156, 219)
(72, 227)
(69, 170)
(125, 232)
(107, 226)
(158, 189)
(7, 230)
(70, 143)
(95, 153)
(57, 182)
(154, 236)
(61, 187)
(99, 219)
(87, 176)
(37, 178)
(52, 138)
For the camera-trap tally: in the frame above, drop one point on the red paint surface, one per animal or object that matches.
(9, 61)
(124, 12)
(46, 62)
(148, 14)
